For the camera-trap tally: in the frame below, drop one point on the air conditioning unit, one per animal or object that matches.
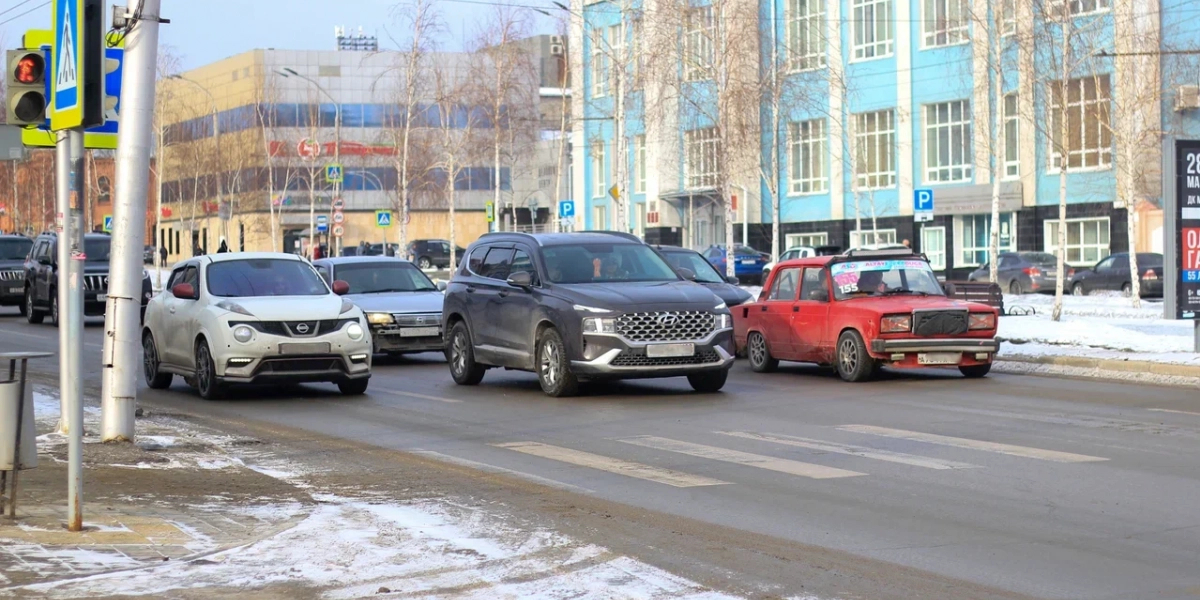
(556, 39)
(556, 49)
(1187, 97)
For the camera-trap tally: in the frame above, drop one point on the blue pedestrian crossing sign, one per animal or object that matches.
(923, 204)
(566, 209)
(333, 173)
(322, 224)
(108, 223)
(383, 218)
(66, 106)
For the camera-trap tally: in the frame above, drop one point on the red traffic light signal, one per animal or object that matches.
(26, 87)
(30, 69)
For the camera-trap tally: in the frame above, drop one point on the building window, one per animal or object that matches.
(948, 141)
(872, 25)
(945, 22)
(933, 244)
(601, 64)
(805, 34)
(639, 164)
(598, 187)
(1012, 139)
(1087, 240)
(600, 217)
(807, 149)
(698, 55)
(859, 239)
(973, 237)
(1089, 142)
(1080, 7)
(807, 240)
(875, 149)
(702, 148)
(616, 48)
(1008, 17)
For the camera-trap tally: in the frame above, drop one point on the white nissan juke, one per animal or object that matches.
(244, 318)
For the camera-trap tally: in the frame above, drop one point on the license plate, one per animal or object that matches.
(747, 261)
(101, 297)
(670, 350)
(15, 290)
(419, 331)
(309, 348)
(939, 358)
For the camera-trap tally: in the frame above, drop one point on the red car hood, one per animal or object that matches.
(888, 305)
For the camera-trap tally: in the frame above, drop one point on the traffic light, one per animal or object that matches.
(92, 47)
(26, 87)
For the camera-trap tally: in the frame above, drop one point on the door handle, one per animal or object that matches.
(764, 308)
(470, 289)
(795, 308)
(172, 310)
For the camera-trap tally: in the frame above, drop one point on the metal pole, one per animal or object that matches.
(122, 342)
(74, 329)
(62, 226)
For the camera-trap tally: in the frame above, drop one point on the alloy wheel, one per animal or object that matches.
(848, 355)
(29, 302)
(550, 367)
(203, 369)
(758, 349)
(458, 353)
(149, 358)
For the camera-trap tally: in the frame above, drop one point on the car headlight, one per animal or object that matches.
(347, 306)
(590, 309)
(720, 306)
(896, 324)
(723, 320)
(599, 325)
(982, 321)
(243, 333)
(380, 318)
(355, 331)
(233, 307)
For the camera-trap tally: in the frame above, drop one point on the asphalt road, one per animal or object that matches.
(1044, 487)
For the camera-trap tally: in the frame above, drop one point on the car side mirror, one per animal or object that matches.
(441, 286)
(733, 279)
(184, 291)
(44, 260)
(686, 273)
(340, 287)
(521, 279)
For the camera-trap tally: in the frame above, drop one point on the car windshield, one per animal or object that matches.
(382, 277)
(603, 263)
(264, 277)
(884, 278)
(97, 250)
(15, 249)
(1042, 259)
(705, 273)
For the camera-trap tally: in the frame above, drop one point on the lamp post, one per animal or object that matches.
(217, 137)
(337, 152)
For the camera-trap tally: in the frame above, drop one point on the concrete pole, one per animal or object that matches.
(62, 226)
(122, 342)
(74, 328)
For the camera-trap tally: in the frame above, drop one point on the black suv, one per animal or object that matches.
(41, 278)
(580, 306)
(13, 250)
(429, 254)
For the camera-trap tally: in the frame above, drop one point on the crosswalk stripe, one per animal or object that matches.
(416, 395)
(862, 451)
(1178, 412)
(1009, 449)
(612, 465)
(782, 465)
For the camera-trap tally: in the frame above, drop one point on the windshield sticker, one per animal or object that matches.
(877, 265)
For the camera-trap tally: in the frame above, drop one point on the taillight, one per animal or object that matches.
(896, 324)
(1149, 276)
(1070, 272)
(1033, 272)
(982, 321)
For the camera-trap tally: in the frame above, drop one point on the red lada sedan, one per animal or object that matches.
(861, 311)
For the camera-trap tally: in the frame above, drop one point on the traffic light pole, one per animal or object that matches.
(73, 231)
(122, 342)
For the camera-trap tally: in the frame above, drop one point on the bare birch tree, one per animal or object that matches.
(456, 123)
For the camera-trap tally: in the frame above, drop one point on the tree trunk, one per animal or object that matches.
(1135, 283)
(730, 247)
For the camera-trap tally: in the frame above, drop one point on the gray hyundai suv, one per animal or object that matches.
(582, 306)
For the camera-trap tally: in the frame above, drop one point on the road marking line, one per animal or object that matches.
(415, 395)
(612, 465)
(862, 451)
(1177, 412)
(494, 469)
(782, 465)
(1009, 449)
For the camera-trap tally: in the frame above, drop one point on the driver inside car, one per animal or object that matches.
(871, 282)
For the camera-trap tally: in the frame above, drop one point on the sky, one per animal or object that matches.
(204, 31)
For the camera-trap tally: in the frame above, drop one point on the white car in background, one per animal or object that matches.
(789, 254)
(242, 318)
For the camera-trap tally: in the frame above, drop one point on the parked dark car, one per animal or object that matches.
(748, 265)
(1023, 272)
(705, 274)
(14, 249)
(429, 254)
(41, 278)
(371, 250)
(402, 306)
(1112, 274)
(580, 306)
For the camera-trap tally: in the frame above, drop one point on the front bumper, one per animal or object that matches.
(394, 338)
(990, 345)
(611, 357)
(12, 293)
(267, 358)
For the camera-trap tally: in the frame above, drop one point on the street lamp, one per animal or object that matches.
(217, 137)
(337, 154)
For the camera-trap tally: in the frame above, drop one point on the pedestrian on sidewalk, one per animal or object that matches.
(162, 256)
(223, 248)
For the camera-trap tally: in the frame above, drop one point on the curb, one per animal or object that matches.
(1108, 364)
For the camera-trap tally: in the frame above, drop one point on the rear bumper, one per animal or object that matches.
(1152, 287)
(989, 345)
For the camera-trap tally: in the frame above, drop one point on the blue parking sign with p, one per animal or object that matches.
(923, 200)
(566, 209)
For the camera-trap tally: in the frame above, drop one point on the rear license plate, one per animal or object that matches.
(939, 358)
(747, 261)
(309, 348)
(101, 297)
(419, 331)
(670, 350)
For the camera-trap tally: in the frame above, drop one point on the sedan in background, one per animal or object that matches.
(1023, 272)
(403, 307)
(1112, 274)
(432, 254)
(748, 265)
(703, 273)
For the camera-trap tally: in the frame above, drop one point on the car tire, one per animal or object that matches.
(759, 354)
(853, 363)
(54, 314)
(1127, 290)
(206, 374)
(354, 387)
(1014, 288)
(460, 355)
(1077, 290)
(156, 379)
(424, 263)
(33, 315)
(554, 367)
(975, 371)
(709, 382)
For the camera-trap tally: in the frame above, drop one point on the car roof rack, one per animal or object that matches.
(887, 252)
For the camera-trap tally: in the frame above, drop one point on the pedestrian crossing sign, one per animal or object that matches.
(108, 223)
(383, 218)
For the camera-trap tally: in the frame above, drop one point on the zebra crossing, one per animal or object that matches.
(808, 470)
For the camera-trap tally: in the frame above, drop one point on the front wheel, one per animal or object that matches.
(33, 315)
(460, 354)
(554, 368)
(975, 371)
(206, 374)
(353, 387)
(425, 263)
(709, 382)
(54, 316)
(853, 362)
(156, 379)
(761, 360)
(1077, 289)
(1127, 290)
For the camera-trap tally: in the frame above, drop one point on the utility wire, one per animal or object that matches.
(15, 7)
(15, 17)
